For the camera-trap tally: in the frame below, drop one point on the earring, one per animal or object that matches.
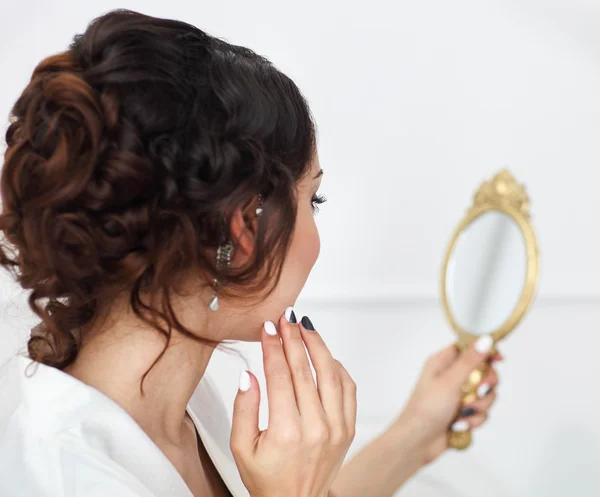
(223, 262)
(259, 209)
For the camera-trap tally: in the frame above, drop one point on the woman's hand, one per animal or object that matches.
(436, 399)
(310, 426)
(420, 434)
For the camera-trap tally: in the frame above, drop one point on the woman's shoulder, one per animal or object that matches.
(53, 439)
(36, 466)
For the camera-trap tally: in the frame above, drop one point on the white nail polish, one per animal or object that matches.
(288, 314)
(245, 382)
(461, 425)
(484, 344)
(270, 329)
(483, 390)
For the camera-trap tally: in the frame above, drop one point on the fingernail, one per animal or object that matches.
(483, 390)
(307, 323)
(290, 315)
(245, 382)
(468, 411)
(270, 329)
(484, 344)
(461, 425)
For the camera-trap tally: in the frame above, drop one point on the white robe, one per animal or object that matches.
(62, 438)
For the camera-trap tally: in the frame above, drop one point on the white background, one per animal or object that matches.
(417, 103)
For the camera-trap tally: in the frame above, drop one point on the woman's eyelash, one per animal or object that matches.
(317, 200)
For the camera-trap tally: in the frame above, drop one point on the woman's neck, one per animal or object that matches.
(115, 358)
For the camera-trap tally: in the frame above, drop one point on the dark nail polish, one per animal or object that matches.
(307, 323)
(293, 319)
(468, 411)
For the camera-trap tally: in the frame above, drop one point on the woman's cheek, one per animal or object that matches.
(307, 242)
(313, 248)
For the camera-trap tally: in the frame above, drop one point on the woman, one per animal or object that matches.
(158, 195)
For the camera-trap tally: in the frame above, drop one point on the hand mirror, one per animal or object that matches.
(490, 273)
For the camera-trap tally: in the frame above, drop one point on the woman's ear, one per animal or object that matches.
(244, 224)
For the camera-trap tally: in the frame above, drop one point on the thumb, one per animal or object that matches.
(472, 357)
(244, 429)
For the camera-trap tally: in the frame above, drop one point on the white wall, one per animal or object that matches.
(417, 103)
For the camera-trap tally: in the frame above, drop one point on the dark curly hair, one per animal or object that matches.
(126, 157)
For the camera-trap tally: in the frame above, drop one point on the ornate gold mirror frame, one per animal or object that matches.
(505, 195)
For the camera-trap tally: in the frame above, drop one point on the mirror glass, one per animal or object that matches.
(486, 273)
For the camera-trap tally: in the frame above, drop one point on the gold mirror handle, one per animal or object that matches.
(461, 440)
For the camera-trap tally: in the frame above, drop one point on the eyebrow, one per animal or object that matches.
(319, 174)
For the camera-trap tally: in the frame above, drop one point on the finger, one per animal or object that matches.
(489, 382)
(349, 399)
(280, 390)
(468, 360)
(470, 422)
(329, 384)
(477, 421)
(440, 361)
(497, 357)
(480, 406)
(244, 428)
(305, 390)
